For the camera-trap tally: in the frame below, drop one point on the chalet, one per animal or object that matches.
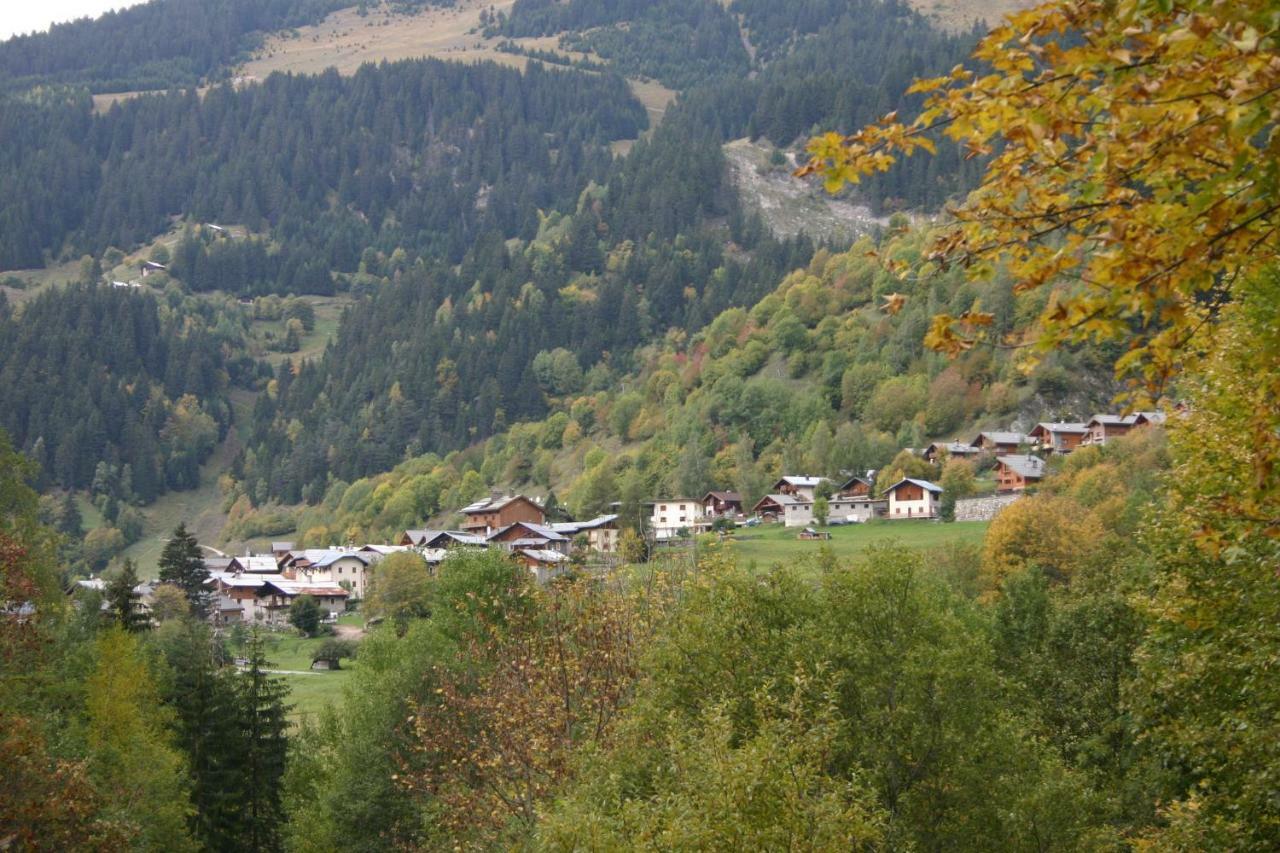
(856, 509)
(446, 539)
(953, 449)
(855, 487)
(601, 532)
(227, 611)
(281, 550)
(800, 487)
(1103, 428)
(722, 505)
(1015, 473)
(791, 510)
(417, 538)
(349, 569)
(494, 513)
(222, 564)
(524, 534)
(542, 563)
(911, 498)
(275, 597)
(999, 442)
(1058, 437)
(244, 590)
(146, 268)
(672, 515)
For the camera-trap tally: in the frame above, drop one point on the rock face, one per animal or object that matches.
(983, 509)
(790, 206)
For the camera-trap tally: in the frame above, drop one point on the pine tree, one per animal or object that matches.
(122, 600)
(182, 565)
(263, 725)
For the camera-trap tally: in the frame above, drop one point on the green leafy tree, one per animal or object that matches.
(182, 565)
(821, 508)
(130, 751)
(400, 589)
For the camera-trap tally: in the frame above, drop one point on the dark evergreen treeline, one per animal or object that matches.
(93, 376)
(422, 155)
(156, 45)
(819, 65)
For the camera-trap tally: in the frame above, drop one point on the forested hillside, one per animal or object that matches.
(420, 155)
(814, 376)
(115, 385)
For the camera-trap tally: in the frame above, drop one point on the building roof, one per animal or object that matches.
(1026, 467)
(570, 528)
(954, 448)
(281, 546)
(314, 588)
(1048, 428)
(421, 537)
(264, 564)
(799, 482)
(1111, 420)
(328, 558)
(543, 555)
(492, 504)
(724, 497)
(235, 579)
(384, 550)
(539, 530)
(849, 483)
(1000, 438)
(1149, 418)
(783, 501)
(924, 484)
(445, 538)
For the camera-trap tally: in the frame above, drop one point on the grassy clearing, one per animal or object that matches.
(959, 15)
(309, 692)
(771, 544)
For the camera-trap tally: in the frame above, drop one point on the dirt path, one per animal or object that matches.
(348, 632)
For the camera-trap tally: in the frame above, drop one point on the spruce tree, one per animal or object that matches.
(182, 565)
(263, 727)
(122, 599)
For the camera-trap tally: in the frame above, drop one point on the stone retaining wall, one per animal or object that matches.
(983, 509)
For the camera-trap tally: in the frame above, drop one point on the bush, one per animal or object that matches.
(304, 614)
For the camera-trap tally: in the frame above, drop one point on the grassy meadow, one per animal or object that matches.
(769, 544)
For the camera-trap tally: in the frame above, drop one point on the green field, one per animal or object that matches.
(309, 691)
(769, 544)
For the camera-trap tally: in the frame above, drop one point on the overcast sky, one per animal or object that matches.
(23, 16)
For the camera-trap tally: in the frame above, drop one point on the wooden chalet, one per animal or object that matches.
(722, 504)
(1000, 442)
(1014, 473)
(524, 534)
(1103, 428)
(797, 486)
(601, 532)
(855, 487)
(940, 449)
(1058, 437)
(495, 513)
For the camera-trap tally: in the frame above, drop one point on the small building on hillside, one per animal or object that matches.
(790, 510)
(858, 509)
(601, 532)
(797, 486)
(542, 563)
(496, 512)
(146, 268)
(855, 487)
(1014, 473)
(722, 504)
(1102, 428)
(912, 498)
(940, 450)
(1058, 437)
(524, 534)
(275, 597)
(670, 516)
(1000, 442)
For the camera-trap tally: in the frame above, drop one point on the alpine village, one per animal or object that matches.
(667, 425)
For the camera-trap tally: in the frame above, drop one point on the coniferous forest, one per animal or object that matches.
(256, 332)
